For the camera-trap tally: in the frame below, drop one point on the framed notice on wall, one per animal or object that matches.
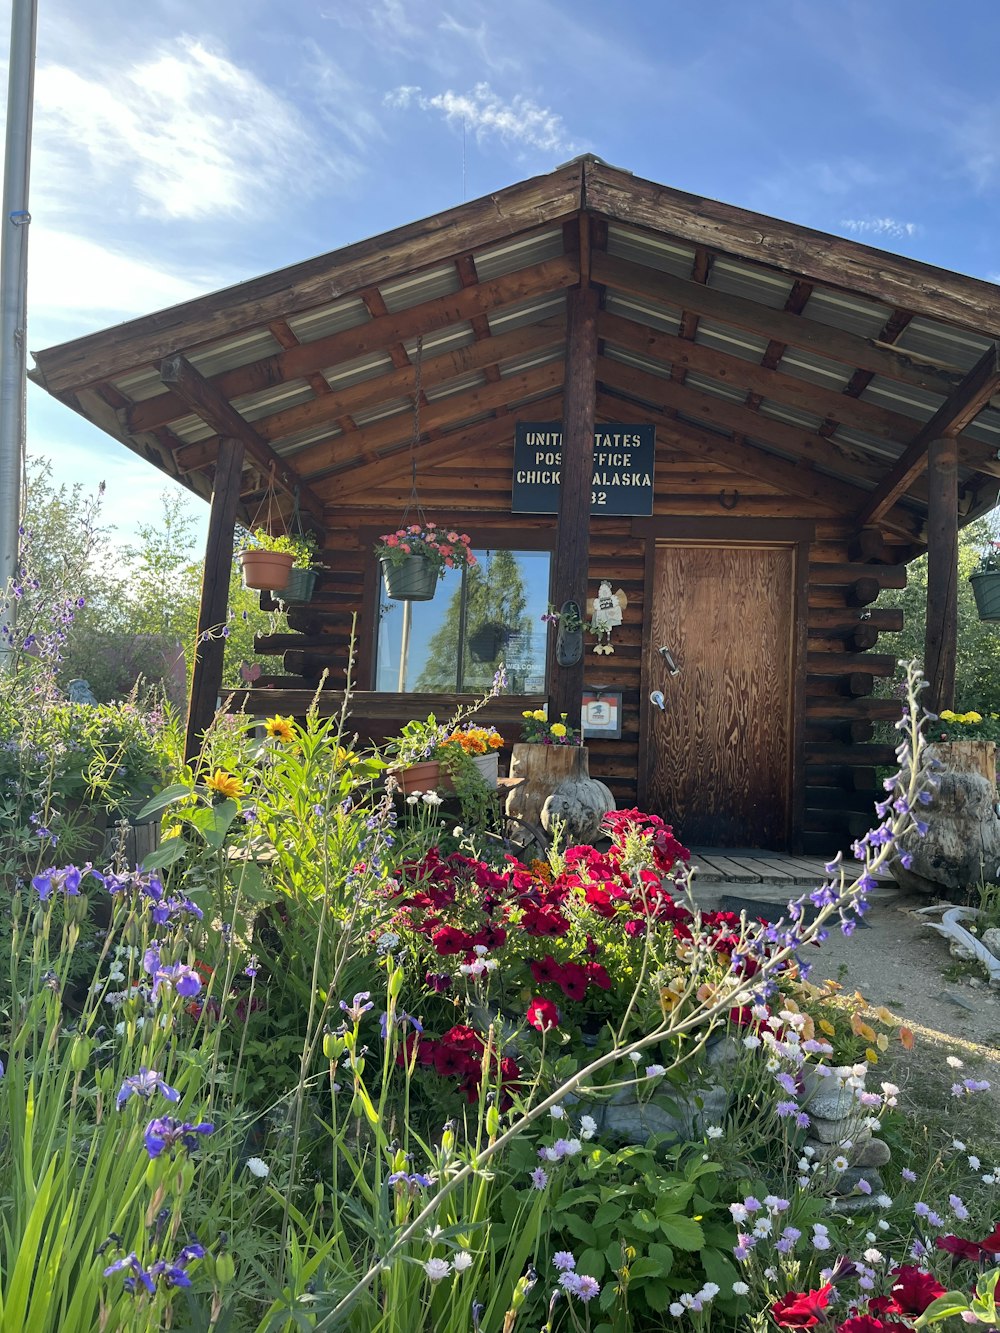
(601, 714)
(622, 477)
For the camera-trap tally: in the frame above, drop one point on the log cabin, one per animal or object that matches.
(806, 415)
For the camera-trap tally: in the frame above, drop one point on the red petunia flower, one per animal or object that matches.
(598, 976)
(991, 1243)
(451, 940)
(959, 1248)
(546, 971)
(801, 1309)
(542, 1014)
(573, 981)
(913, 1290)
(866, 1323)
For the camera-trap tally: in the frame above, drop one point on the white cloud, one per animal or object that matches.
(486, 114)
(880, 227)
(70, 276)
(184, 134)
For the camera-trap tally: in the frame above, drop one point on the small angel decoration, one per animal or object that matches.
(606, 611)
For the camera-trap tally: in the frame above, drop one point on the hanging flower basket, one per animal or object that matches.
(268, 570)
(413, 580)
(986, 590)
(301, 585)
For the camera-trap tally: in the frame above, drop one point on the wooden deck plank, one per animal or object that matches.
(765, 868)
(726, 868)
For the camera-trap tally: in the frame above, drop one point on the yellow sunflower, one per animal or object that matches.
(279, 728)
(224, 784)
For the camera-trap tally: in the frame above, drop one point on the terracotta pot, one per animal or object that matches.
(268, 570)
(426, 776)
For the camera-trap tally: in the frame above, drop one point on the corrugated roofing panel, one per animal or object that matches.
(389, 408)
(519, 253)
(441, 340)
(732, 393)
(986, 427)
(630, 358)
(816, 369)
(645, 312)
(140, 385)
(853, 314)
(475, 379)
(516, 365)
(903, 398)
(416, 288)
(526, 312)
(190, 429)
(359, 370)
(750, 282)
(879, 450)
(315, 435)
(734, 341)
(232, 352)
(943, 346)
(642, 247)
(792, 416)
(276, 398)
(325, 320)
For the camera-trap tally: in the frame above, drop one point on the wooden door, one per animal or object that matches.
(719, 754)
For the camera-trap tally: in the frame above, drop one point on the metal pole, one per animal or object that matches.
(14, 283)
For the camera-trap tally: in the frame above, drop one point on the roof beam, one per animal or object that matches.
(206, 401)
(705, 446)
(353, 484)
(370, 442)
(736, 372)
(726, 415)
(777, 325)
(813, 255)
(522, 208)
(400, 382)
(949, 420)
(377, 335)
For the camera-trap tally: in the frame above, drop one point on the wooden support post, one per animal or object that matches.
(206, 680)
(571, 558)
(941, 634)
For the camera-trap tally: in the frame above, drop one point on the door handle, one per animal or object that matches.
(668, 658)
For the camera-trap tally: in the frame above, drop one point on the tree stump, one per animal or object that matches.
(543, 768)
(961, 848)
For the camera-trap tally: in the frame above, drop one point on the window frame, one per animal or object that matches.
(494, 538)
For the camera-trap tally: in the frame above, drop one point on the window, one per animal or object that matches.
(479, 618)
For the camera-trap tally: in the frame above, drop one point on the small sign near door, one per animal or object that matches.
(601, 714)
(622, 479)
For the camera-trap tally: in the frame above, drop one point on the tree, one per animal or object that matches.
(977, 672)
(496, 629)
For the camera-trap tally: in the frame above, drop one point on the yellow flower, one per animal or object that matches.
(947, 715)
(558, 729)
(539, 714)
(279, 728)
(527, 713)
(224, 783)
(345, 758)
(973, 717)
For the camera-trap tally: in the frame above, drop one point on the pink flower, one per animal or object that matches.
(542, 1014)
(414, 527)
(405, 546)
(453, 536)
(465, 538)
(391, 541)
(472, 559)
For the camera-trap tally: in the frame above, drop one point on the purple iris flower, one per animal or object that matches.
(166, 1132)
(357, 1008)
(144, 1084)
(137, 1273)
(67, 880)
(184, 979)
(174, 1275)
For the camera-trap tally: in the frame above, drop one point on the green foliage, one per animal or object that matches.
(977, 673)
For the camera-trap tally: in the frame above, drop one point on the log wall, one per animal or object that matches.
(849, 638)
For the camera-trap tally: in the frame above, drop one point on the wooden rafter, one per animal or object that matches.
(437, 369)
(738, 373)
(525, 207)
(812, 255)
(465, 267)
(806, 447)
(217, 412)
(383, 437)
(860, 380)
(353, 484)
(951, 418)
(690, 318)
(375, 336)
(795, 330)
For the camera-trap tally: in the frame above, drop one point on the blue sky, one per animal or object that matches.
(181, 146)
